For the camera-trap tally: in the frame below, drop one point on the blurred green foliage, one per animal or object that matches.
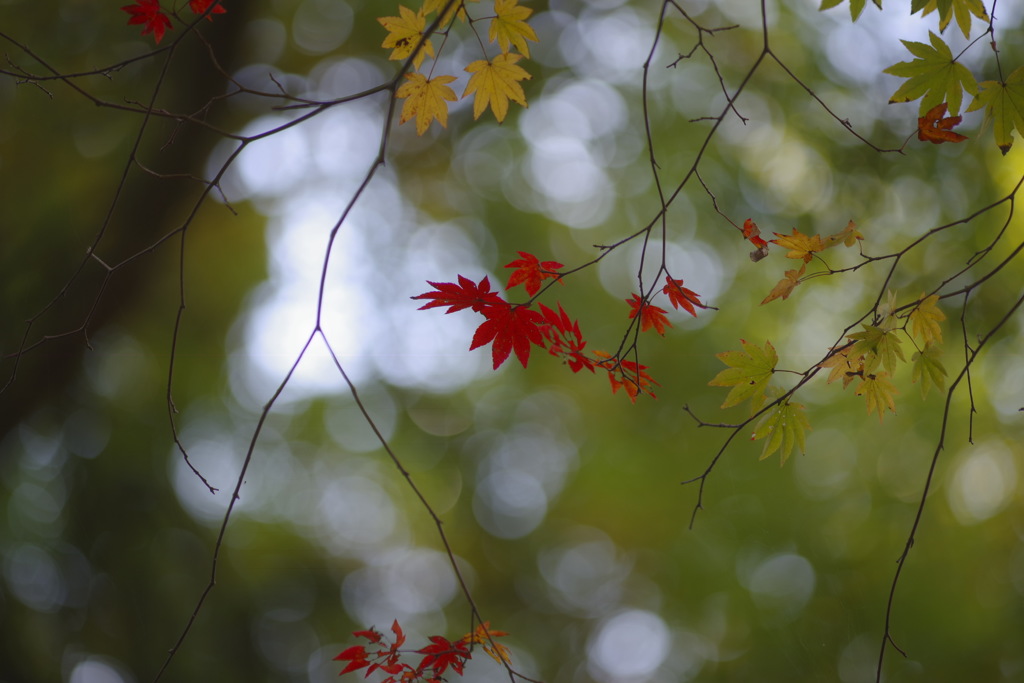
(563, 503)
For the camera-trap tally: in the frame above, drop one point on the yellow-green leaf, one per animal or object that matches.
(495, 83)
(748, 373)
(934, 76)
(877, 345)
(509, 26)
(784, 426)
(848, 236)
(856, 6)
(879, 392)
(929, 369)
(1004, 106)
(426, 100)
(961, 9)
(925, 319)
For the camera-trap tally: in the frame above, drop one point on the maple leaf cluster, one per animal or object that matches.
(517, 328)
(493, 82)
(801, 247)
(438, 658)
(154, 19)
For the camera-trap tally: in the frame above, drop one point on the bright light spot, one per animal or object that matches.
(782, 583)
(586, 578)
(397, 584)
(608, 46)
(320, 26)
(354, 516)
(629, 646)
(34, 578)
(98, 670)
(275, 165)
(510, 504)
(984, 482)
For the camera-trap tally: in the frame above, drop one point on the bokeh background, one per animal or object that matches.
(563, 503)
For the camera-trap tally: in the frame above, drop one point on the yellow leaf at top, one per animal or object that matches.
(925, 319)
(404, 34)
(800, 245)
(425, 99)
(495, 83)
(510, 27)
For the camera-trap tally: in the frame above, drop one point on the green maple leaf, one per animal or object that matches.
(961, 9)
(1004, 105)
(934, 76)
(856, 6)
(929, 369)
(877, 345)
(784, 426)
(879, 392)
(748, 373)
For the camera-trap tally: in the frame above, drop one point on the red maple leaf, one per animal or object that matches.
(199, 6)
(511, 328)
(935, 129)
(531, 272)
(443, 654)
(465, 294)
(627, 375)
(680, 296)
(149, 13)
(565, 339)
(355, 656)
(650, 316)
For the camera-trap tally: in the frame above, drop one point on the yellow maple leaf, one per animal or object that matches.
(456, 7)
(510, 27)
(425, 99)
(925, 319)
(494, 83)
(848, 236)
(878, 391)
(800, 245)
(404, 34)
(786, 285)
(843, 366)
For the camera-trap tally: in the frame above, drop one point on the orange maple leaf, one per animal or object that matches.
(935, 129)
(650, 316)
